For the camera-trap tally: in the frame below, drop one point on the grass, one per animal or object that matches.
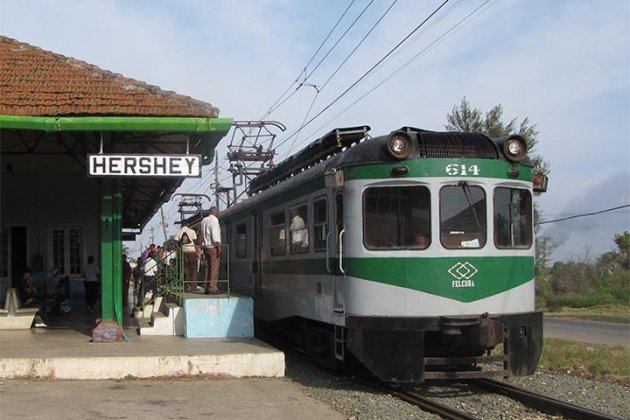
(607, 313)
(610, 363)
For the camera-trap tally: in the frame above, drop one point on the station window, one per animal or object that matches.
(298, 229)
(512, 218)
(320, 223)
(278, 234)
(397, 218)
(241, 241)
(67, 249)
(462, 216)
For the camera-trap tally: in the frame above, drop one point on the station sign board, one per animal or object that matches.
(188, 166)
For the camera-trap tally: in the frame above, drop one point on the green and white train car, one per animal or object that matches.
(411, 253)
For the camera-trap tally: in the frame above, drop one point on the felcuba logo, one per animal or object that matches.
(463, 273)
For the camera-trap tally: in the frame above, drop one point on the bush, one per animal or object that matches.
(603, 295)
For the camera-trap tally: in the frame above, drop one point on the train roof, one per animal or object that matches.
(343, 147)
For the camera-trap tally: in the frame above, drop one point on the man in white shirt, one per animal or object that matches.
(185, 239)
(149, 269)
(211, 235)
(298, 231)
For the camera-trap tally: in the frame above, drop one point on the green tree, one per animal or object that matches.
(465, 118)
(623, 243)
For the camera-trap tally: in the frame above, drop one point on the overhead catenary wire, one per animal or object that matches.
(340, 38)
(308, 76)
(380, 19)
(281, 100)
(359, 44)
(575, 216)
(462, 22)
(367, 72)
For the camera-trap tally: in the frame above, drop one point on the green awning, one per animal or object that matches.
(91, 123)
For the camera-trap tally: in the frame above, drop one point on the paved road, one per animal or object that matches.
(588, 331)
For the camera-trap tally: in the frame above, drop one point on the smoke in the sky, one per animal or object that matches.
(596, 232)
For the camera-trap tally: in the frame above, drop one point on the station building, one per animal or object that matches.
(87, 157)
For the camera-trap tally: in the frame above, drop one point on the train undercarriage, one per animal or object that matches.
(412, 350)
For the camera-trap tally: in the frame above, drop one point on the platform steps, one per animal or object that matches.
(159, 318)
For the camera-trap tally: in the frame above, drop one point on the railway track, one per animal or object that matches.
(431, 406)
(541, 402)
(530, 399)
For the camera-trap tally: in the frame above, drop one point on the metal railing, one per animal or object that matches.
(171, 282)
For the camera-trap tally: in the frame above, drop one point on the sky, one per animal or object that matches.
(564, 65)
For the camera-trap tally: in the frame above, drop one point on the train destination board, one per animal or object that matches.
(145, 165)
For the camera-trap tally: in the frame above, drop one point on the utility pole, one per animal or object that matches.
(216, 179)
(152, 235)
(164, 224)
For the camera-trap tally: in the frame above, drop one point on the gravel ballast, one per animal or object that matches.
(356, 401)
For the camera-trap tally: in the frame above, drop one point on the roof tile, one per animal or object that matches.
(36, 82)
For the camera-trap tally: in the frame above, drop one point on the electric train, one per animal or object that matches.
(411, 253)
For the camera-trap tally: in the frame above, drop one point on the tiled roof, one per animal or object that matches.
(35, 82)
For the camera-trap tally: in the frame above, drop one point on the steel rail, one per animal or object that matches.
(540, 402)
(427, 404)
(422, 402)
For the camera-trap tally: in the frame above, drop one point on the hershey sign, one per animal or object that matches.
(145, 165)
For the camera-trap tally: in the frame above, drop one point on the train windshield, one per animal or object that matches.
(397, 218)
(462, 216)
(512, 218)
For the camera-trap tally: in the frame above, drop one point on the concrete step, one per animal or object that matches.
(162, 321)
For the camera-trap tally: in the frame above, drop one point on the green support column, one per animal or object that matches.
(109, 330)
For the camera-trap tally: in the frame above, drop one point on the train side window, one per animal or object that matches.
(320, 224)
(462, 216)
(512, 218)
(278, 234)
(396, 218)
(241, 241)
(298, 229)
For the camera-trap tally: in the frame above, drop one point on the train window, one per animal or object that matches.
(462, 216)
(298, 229)
(320, 224)
(397, 218)
(241, 241)
(512, 218)
(278, 234)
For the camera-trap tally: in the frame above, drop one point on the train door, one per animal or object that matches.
(336, 247)
(257, 252)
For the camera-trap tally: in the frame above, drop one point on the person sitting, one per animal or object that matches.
(421, 240)
(29, 297)
(27, 291)
(52, 283)
(298, 231)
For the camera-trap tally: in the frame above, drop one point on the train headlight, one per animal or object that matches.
(399, 146)
(515, 148)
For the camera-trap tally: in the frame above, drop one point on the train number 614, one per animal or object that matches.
(455, 169)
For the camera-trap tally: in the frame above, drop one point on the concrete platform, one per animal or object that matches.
(64, 351)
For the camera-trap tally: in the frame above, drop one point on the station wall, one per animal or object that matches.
(49, 217)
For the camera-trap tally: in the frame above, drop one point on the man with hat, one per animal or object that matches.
(185, 239)
(211, 235)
